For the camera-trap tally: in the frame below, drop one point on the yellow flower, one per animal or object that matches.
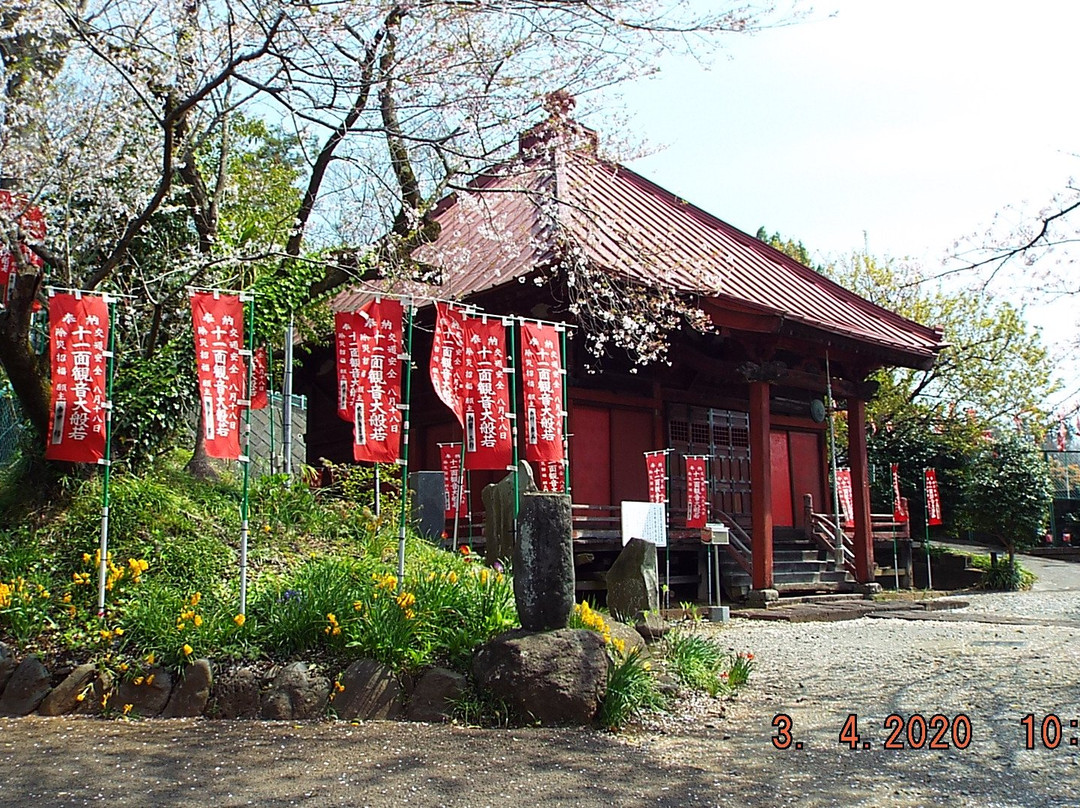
(138, 680)
(118, 631)
(188, 650)
(45, 594)
(406, 599)
(451, 577)
(86, 558)
(150, 658)
(66, 598)
(123, 667)
(180, 626)
(80, 697)
(339, 687)
(358, 605)
(196, 598)
(239, 620)
(197, 620)
(127, 708)
(149, 680)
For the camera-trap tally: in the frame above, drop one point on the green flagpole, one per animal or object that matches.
(510, 371)
(406, 393)
(565, 380)
(107, 460)
(245, 457)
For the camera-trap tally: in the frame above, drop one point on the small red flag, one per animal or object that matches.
(447, 358)
(542, 392)
(933, 498)
(259, 397)
(486, 395)
(79, 336)
(846, 496)
(697, 493)
(219, 334)
(551, 476)
(30, 219)
(900, 513)
(656, 469)
(453, 490)
(377, 417)
(347, 353)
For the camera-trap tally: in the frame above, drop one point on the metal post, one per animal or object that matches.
(286, 395)
(245, 458)
(270, 405)
(838, 535)
(565, 411)
(107, 459)
(406, 394)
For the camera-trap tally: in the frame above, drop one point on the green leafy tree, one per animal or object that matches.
(1008, 493)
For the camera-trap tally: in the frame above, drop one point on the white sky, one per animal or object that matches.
(910, 122)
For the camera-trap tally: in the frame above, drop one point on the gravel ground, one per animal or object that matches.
(711, 753)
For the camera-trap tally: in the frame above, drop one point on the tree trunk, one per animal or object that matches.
(201, 466)
(27, 372)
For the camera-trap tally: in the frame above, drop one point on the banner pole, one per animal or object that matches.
(286, 398)
(510, 367)
(566, 414)
(378, 492)
(667, 532)
(926, 533)
(104, 544)
(270, 404)
(456, 494)
(406, 394)
(245, 458)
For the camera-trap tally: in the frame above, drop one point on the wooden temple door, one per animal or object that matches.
(722, 435)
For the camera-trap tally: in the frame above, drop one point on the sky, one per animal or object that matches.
(902, 126)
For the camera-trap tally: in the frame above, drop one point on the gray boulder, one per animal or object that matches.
(433, 698)
(632, 640)
(147, 694)
(555, 678)
(652, 627)
(26, 689)
(192, 692)
(372, 691)
(7, 665)
(237, 693)
(296, 693)
(544, 562)
(64, 698)
(100, 687)
(632, 581)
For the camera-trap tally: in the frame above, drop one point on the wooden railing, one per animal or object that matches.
(739, 541)
(822, 528)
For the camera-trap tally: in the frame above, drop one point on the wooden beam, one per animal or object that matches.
(761, 534)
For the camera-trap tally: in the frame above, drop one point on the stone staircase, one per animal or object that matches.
(799, 568)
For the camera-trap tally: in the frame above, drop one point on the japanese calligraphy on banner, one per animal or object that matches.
(259, 397)
(846, 496)
(697, 492)
(656, 469)
(485, 395)
(219, 334)
(377, 417)
(551, 476)
(933, 498)
(447, 358)
(899, 507)
(542, 391)
(32, 222)
(347, 353)
(453, 490)
(79, 334)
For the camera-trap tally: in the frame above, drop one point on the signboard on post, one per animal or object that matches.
(644, 520)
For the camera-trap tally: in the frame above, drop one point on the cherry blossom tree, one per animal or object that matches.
(121, 115)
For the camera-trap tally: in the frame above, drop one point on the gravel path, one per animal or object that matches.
(712, 754)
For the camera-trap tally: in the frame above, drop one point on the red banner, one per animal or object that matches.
(551, 476)
(377, 418)
(933, 498)
(697, 492)
(846, 496)
(486, 395)
(31, 222)
(219, 335)
(448, 357)
(656, 469)
(79, 336)
(542, 391)
(900, 513)
(259, 398)
(347, 352)
(453, 490)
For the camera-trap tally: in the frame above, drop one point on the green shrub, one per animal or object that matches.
(632, 691)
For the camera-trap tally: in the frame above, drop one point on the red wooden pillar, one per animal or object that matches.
(761, 536)
(860, 491)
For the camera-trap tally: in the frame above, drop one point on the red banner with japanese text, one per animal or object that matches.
(933, 498)
(79, 336)
(542, 392)
(486, 395)
(377, 418)
(846, 496)
(219, 334)
(447, 358)
(656, 469)
(551, 476)
(259, 397)
(453, 489)
(697, 492)
(347, 361)
(14, 208)
(900, 513)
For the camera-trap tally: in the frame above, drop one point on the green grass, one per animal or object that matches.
(632, 691)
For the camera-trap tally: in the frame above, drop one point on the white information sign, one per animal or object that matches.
(644, 520)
